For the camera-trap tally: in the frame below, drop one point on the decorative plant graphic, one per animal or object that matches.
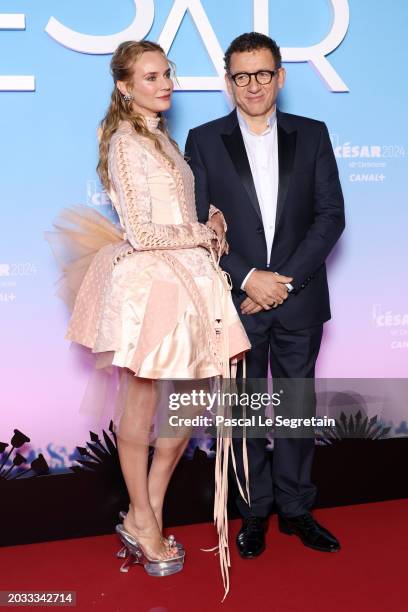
(10, 470)
(102, 456)
(98, 456)
(353, 427)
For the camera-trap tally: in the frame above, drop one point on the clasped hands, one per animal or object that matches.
(265, 290)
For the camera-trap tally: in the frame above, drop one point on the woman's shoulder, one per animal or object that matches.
(124, 129)
(125, 134)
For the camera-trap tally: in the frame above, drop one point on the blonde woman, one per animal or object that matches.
(150, 299)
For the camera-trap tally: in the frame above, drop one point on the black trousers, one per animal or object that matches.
(287, 482)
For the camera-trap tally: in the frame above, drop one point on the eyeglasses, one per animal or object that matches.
(263, 77)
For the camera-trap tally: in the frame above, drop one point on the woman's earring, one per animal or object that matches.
(127, 97)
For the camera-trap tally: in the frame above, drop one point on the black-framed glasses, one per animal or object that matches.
(263, 77)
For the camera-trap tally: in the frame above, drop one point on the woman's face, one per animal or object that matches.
(151, 85)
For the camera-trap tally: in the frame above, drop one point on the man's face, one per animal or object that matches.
(255, 99)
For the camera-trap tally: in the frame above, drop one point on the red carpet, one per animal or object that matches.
(369, 573)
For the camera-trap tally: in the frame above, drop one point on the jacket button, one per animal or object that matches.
(259, 230)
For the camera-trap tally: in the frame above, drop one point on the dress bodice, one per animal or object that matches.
(153, 191)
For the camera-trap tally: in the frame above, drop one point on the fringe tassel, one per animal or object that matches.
(223, 449)
(224, 442)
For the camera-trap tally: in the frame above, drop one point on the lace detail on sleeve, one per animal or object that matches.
(129, 172)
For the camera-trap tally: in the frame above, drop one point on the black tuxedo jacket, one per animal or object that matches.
(310, 208)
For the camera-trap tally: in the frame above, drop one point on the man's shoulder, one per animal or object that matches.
(214, 126)
(299, 121)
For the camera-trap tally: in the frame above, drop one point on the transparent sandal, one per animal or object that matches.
(170, 541)
(135, 555)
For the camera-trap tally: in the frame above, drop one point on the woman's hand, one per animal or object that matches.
(221, 247)
(216, 223)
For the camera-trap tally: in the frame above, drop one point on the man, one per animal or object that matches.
(275, 179)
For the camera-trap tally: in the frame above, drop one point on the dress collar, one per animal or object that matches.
(152, 123)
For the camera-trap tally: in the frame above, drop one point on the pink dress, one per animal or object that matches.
(157, 302)
(148, 296)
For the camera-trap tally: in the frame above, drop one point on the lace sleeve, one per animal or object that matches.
(128, 171)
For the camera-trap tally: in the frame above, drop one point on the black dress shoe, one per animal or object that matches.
(251, 537)
(310, 532)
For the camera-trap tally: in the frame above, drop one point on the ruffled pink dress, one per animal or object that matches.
(156, 300)
(148, 296)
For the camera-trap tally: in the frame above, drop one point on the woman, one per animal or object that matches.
(152, 300)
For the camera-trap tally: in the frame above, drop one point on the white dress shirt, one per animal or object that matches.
(262, 152)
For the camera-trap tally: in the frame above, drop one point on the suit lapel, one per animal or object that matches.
(286, 156)
(234, 143)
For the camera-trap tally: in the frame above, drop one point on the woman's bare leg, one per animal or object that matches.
(133, 446)
(166, 456)
(169, 450)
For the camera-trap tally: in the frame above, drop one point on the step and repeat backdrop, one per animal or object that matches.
(345, 63)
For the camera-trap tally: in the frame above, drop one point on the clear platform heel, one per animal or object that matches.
(134, 554)
(171, 540)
